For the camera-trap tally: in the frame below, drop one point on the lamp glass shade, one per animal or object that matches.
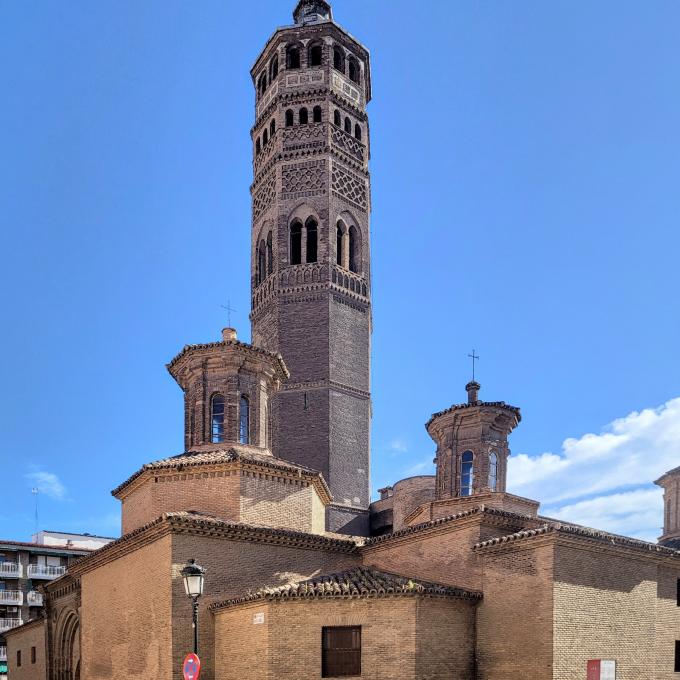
(193, 585)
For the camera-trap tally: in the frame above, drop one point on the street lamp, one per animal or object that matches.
(193, 576)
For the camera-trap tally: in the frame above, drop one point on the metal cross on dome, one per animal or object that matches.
(229, 309)
(474, 357)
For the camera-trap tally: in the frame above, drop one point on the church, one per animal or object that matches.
(444, 577)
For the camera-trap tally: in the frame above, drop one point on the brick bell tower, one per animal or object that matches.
(310, 249)
(670, 483)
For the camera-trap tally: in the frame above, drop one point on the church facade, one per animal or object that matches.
(445, 577)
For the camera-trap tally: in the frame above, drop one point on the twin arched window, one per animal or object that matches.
(493, 471)
(467, 473)
(244, 421)
(353, 63)
(354, 70)
(348, 247)
(338, 59)
(265, 259)
(217, 419)
(310, 234)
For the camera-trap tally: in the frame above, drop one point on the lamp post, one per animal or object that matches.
(193, 576)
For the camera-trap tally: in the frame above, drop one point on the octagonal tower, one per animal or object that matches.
(310, 250)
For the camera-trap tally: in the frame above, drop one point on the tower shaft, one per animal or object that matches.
(311, 251)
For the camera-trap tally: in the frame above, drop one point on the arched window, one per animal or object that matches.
(338, 59)
(337, 118)
(304, 116)
(270, 254)
(317, 114)
(315, 53)
(272, 127)
(339, 257)
(261, 263)
(293, 57)
(348, 126)
(493, 471)
(312, 239)
(257, 147)
(217, 419)
(357, 131)
(354, 70)
(244, 421)
(289, 118)
(274, 69)
(262, 83)
(296, 243)
(467, 473)
(265, 138)
(354, 250)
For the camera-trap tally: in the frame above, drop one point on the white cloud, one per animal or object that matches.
(398, 445)
(48, 484)
(637, 513)
(629, 452)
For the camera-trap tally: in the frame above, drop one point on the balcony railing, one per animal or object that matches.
(6, 624)
(45, 571)
(11, 597)
(34, 599)
(11, 570)
(3, 653)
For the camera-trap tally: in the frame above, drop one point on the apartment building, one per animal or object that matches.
(25, 567)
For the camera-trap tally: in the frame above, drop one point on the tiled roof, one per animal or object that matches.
(581, 532)
(205, 525)
(423, 526)
(280, 364)
(466, 405)
(352, 583)
(215, 456)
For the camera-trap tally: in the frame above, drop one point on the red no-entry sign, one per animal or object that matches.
(191, 667)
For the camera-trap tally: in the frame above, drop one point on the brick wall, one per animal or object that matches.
(401, 638)
(126, 616)
(408, 495)
(234, 567)
(23, 640)
(605, 607)
(515, 618)
(667, 621)
(442, 556)
(235, 495)
(445, 639)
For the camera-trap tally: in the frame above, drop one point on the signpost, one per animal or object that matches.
(601, 669)
(191, 667)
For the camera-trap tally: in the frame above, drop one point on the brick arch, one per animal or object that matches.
(67, 647)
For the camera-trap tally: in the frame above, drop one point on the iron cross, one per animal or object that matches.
(229, 309)
(474, 358)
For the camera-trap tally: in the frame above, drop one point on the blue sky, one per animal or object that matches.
(525, 165)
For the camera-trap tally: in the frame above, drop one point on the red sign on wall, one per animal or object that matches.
(593, 670)
(599, 669)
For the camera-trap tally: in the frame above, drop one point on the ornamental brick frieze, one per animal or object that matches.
(303, 133)
(267, 99)
(303, 273)
(305, 179)
(346, 89)
(356, 304)
(349, 186)
(265, 195)
(325, 384)
(345, 142)
(349, 281)
(303, 78)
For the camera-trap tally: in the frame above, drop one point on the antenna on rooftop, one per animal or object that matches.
(35, 491)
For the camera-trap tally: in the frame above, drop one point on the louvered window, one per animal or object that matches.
(341, 651)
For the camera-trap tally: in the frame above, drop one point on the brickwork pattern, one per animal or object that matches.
(23, 640)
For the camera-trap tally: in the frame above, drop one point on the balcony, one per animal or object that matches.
(3, 653)
(45, 571)
(6, 624)
(34, 599)
(11, 570)
(14, 598)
